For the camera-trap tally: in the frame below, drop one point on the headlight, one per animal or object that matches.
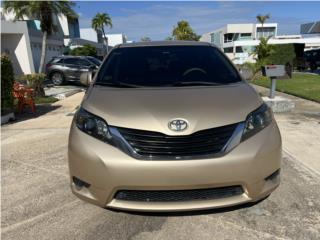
(92, 125)
(256, 121)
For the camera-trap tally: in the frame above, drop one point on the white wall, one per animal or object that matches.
(115, 39)
(16, 43)
(240, 28)
(206, 37)
(64, 24)
(53, 49)
(25, 50)
(88, 34)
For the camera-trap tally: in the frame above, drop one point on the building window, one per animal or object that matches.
(228, 50)
(244, 36)
(228, 37)
(239, 49)
(212, 37)
(245, 49)
(266, 32)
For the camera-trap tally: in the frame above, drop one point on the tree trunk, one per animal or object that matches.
(43, 51)
(105, 39)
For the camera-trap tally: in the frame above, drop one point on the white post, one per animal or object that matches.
(273, 87)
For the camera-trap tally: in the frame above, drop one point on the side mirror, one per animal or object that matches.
(86, 78)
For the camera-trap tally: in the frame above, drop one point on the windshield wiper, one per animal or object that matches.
(195, 83)
(117, 84)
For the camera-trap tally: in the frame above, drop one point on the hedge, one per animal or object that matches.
(282, 54)
(85, 50)
(7, 80)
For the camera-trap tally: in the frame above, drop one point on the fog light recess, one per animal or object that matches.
(80, 183)
(273, 176)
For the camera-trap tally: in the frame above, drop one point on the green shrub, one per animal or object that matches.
(250, 66)
(85, 50)
(282, 54)
(7, 79)
(34, 81)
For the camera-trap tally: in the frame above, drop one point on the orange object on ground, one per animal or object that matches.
(25, 97)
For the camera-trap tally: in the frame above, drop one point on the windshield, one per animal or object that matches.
(95, 61)
(166, 66)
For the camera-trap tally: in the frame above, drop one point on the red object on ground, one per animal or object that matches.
(25, 97)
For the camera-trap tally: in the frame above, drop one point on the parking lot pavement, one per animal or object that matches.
(37, 202)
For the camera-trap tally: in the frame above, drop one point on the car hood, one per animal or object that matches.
(152, 108)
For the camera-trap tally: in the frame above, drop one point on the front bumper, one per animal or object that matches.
(108, 170)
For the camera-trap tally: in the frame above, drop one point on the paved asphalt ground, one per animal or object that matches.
(37, 203)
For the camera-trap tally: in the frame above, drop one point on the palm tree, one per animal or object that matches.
(183, 31)
(98, 23)
(263, 50)
(262, 19)
(43, 11)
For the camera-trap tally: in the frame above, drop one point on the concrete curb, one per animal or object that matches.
(279, 104)
(8, 117)
(64, 95)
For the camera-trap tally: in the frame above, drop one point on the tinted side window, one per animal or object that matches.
(56, 60)
(70, 61)
(83, 62)
(94, 61)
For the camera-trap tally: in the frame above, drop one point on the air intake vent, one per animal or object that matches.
(179, 195)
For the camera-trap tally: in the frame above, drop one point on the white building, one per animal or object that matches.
(91, 35)
(115, 39)
(310, 28)
(112, 39)
(73, 36)
(238, 41)
(22, 41)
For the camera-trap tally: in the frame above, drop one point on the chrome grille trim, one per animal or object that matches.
(125, 146)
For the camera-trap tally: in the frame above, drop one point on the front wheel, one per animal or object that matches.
(313, 66)
(57, 78)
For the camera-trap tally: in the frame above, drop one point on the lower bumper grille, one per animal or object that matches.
(178, 195)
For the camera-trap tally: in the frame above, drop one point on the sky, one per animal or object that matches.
(156, 19)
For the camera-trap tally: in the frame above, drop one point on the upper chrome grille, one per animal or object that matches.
(155, 144)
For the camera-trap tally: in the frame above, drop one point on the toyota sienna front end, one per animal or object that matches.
(171, 126)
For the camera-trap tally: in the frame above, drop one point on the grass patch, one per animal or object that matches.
(301, 85)
(48, 99)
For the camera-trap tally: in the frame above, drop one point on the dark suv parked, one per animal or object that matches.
(69, 68)
(312, 58)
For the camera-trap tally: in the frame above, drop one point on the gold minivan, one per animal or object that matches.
(171, 126)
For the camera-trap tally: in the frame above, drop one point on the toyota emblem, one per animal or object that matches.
(178, 125)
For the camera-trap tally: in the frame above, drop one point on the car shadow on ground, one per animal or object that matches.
(190, 213)
(27, 114)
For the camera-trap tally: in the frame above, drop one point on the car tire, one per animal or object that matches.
(57, 78)
(313, 66)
